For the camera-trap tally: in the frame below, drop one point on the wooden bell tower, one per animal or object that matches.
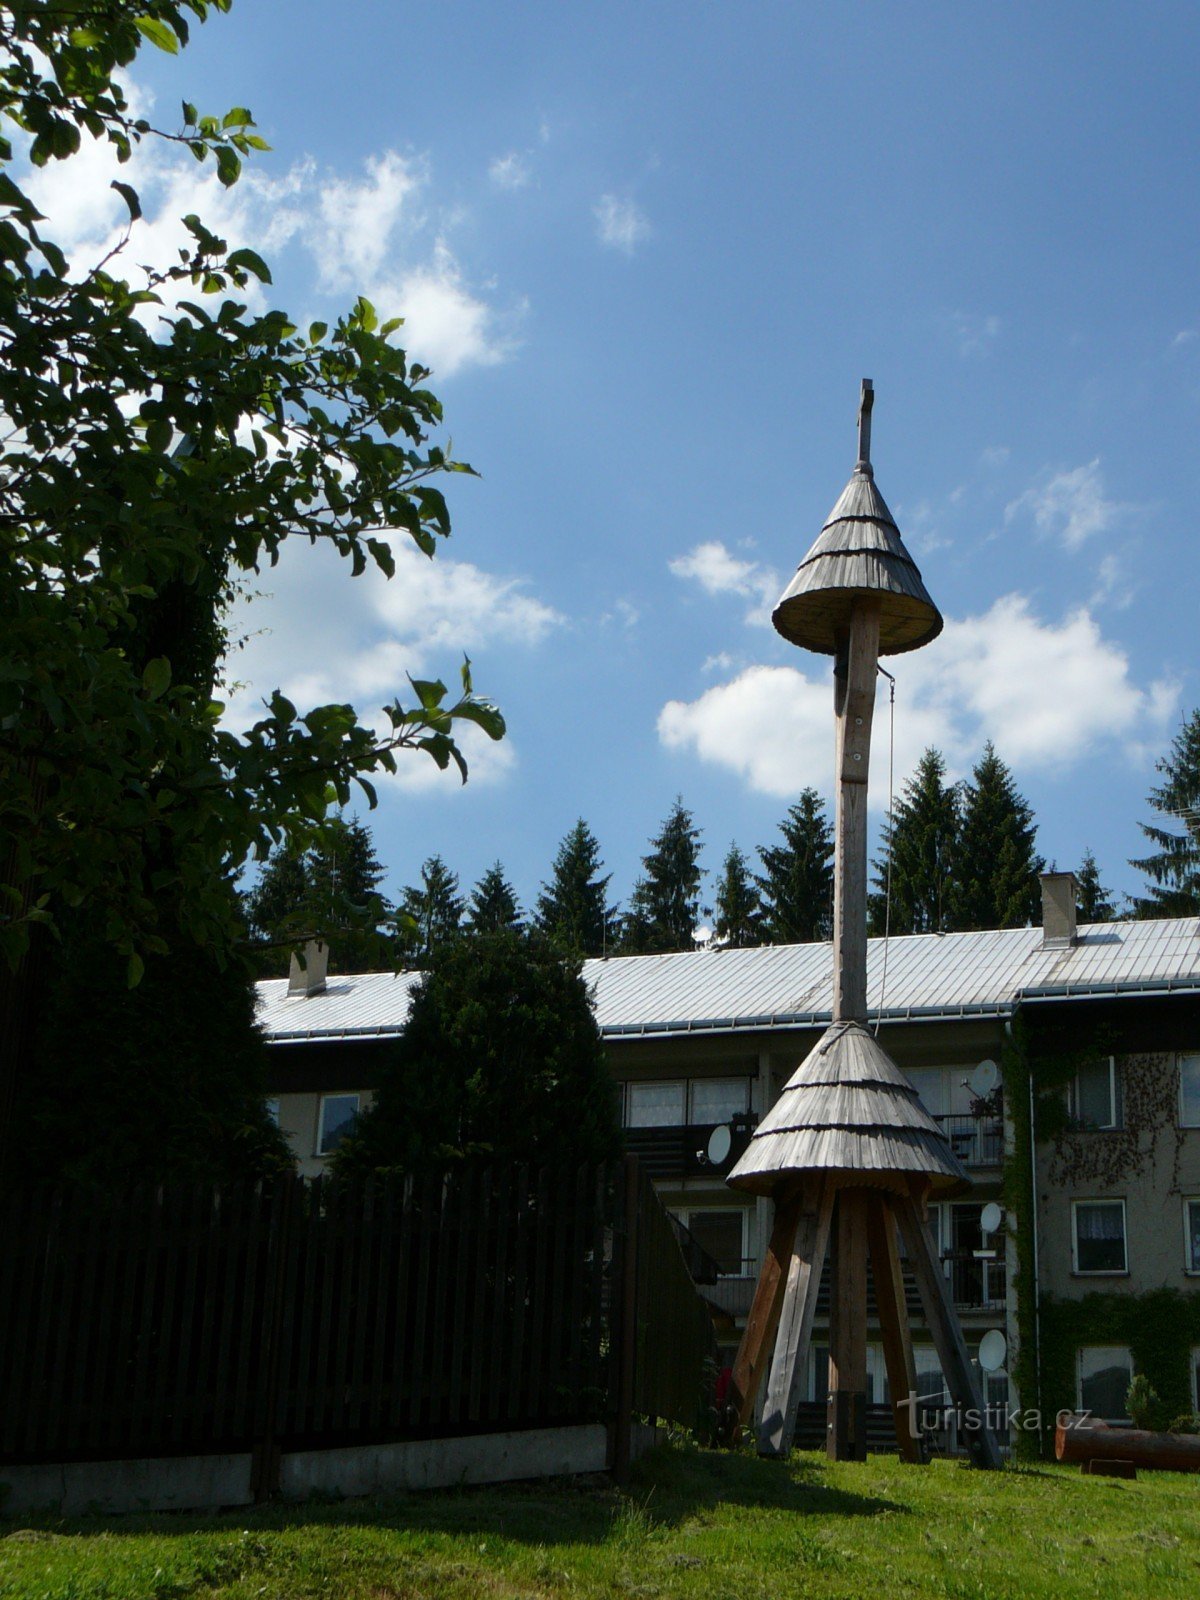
(848, 1153)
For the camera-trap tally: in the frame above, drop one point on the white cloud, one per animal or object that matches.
(620, 224)
(321, 637)
(722, 661)
(1184, 336)
(973, 335)
(624, 613)
(1048, 693)
(357, 219)
(370, 233)
(717, 570)
(510, 171)
(1070, 505)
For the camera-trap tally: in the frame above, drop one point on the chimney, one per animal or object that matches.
(1059, 892)
(309, 978)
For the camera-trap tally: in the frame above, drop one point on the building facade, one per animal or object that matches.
(1096, 1174)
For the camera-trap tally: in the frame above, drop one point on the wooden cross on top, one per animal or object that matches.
(866, 401)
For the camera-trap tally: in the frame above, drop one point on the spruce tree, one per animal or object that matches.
(493, 906)
(328, 886)
(739, 908)
(1173, 868)
(996, 874)
(797, 884)
(665, 904)
(435, 908)
(572, 908)
(500, 1058)
(1092, 900)
(922, 837)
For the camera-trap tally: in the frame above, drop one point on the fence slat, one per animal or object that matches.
(419, 1400)
(517, 1364)
(500, 1313)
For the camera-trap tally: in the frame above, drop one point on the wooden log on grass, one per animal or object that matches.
(1077, 1438)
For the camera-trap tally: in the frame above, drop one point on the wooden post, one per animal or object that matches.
(795, 1322)
(854, 705)
(947, 1335)
(888, 1277)
(265, 1457)
(846, 1427)
(758, 1340)
(627, 1354)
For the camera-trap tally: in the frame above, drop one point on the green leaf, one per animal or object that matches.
(130, 196)
(134, 970)
(239, 117)
(189, 114)
(430, 692)
(229, 166)
(156, 678)
(252, 262)
(384, 559)
(158, 34)
(484, 715)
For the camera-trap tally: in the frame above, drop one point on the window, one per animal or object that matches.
(1099, 1235)
(1095, 1095)
(1105, 1373)
(1191, 1235)
(721, 1233)
(338, 1115)
(930, 1084)
(1189, 1091)
(718, 1099)
(273, 1111)
(655, 1105)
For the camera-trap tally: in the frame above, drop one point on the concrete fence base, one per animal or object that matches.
(193, 1483)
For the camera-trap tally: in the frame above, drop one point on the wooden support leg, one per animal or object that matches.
(947, 1336)
(846, 1430)
(795, 1324)
(888, 1278)
(754, 1352)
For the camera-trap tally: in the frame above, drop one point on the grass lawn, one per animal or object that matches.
(692, 1523)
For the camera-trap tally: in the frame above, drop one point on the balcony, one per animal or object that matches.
(682, 1152)
(975, 1285)
(978, 1142)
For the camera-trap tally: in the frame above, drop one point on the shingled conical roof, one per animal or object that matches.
(849, 1110)
(858, 553)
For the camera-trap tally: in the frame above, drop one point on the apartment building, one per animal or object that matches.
(705, 1040)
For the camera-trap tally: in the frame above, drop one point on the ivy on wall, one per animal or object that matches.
(1159, 1327)
(1108, 1158)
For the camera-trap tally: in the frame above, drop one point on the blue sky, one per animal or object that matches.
(650, 251)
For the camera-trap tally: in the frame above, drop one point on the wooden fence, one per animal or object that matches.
(191, 1320)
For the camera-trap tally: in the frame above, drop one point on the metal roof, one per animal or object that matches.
(929, 977)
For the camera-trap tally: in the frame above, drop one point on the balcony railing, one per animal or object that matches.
(976, 1141)
(682, 1152)
(975, 1285)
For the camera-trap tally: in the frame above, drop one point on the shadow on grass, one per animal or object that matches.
(668, 1487)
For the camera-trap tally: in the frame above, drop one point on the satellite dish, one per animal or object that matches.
(984, 1079)
(990, 1217)
(720, 1143)
(993, 1350)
